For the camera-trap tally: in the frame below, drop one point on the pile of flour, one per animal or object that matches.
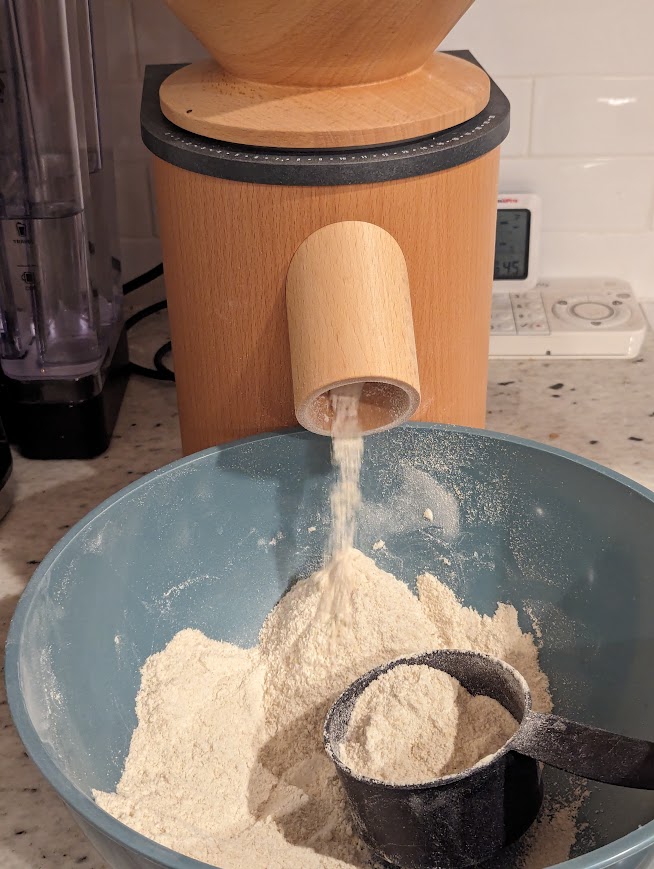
(227, 763)
(414, 724)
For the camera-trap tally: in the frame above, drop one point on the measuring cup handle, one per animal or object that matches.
(587, 751)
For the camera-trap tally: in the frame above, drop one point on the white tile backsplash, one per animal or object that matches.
(559, 37)
(593, 115)
(126, 122)
(519, 91)
(160, 38)
(601, 194)
(153, 202)
(138, 255)
(119, 21)
(134, 199)
(580, 77)
(624, 255)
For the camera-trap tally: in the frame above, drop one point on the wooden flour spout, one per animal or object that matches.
(350, 321)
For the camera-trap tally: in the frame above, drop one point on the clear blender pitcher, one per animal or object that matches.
(60, 292)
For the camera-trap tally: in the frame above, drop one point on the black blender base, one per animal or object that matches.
(69, 430)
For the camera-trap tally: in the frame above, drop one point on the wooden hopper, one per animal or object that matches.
(322, 73)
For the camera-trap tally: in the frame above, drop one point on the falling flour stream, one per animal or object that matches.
(347, 454)
(345, 498)
(227, 765)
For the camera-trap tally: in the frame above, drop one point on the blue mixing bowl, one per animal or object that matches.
(191, 546)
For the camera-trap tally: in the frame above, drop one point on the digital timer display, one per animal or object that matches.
(512, 244)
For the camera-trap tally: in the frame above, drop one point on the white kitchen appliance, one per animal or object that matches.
(564, 317)
(568, 317)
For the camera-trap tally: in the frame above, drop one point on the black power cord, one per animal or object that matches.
(160, 371)
(159, 356)
(140, 281)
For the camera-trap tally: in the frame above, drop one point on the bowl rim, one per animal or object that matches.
(84, 806)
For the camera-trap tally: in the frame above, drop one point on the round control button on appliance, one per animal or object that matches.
(593, 311)
(586, 312)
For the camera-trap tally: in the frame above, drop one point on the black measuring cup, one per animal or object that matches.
(464, 819)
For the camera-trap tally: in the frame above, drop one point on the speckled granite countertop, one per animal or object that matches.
(603, 410)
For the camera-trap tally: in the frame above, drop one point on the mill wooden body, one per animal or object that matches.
(292, 269)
